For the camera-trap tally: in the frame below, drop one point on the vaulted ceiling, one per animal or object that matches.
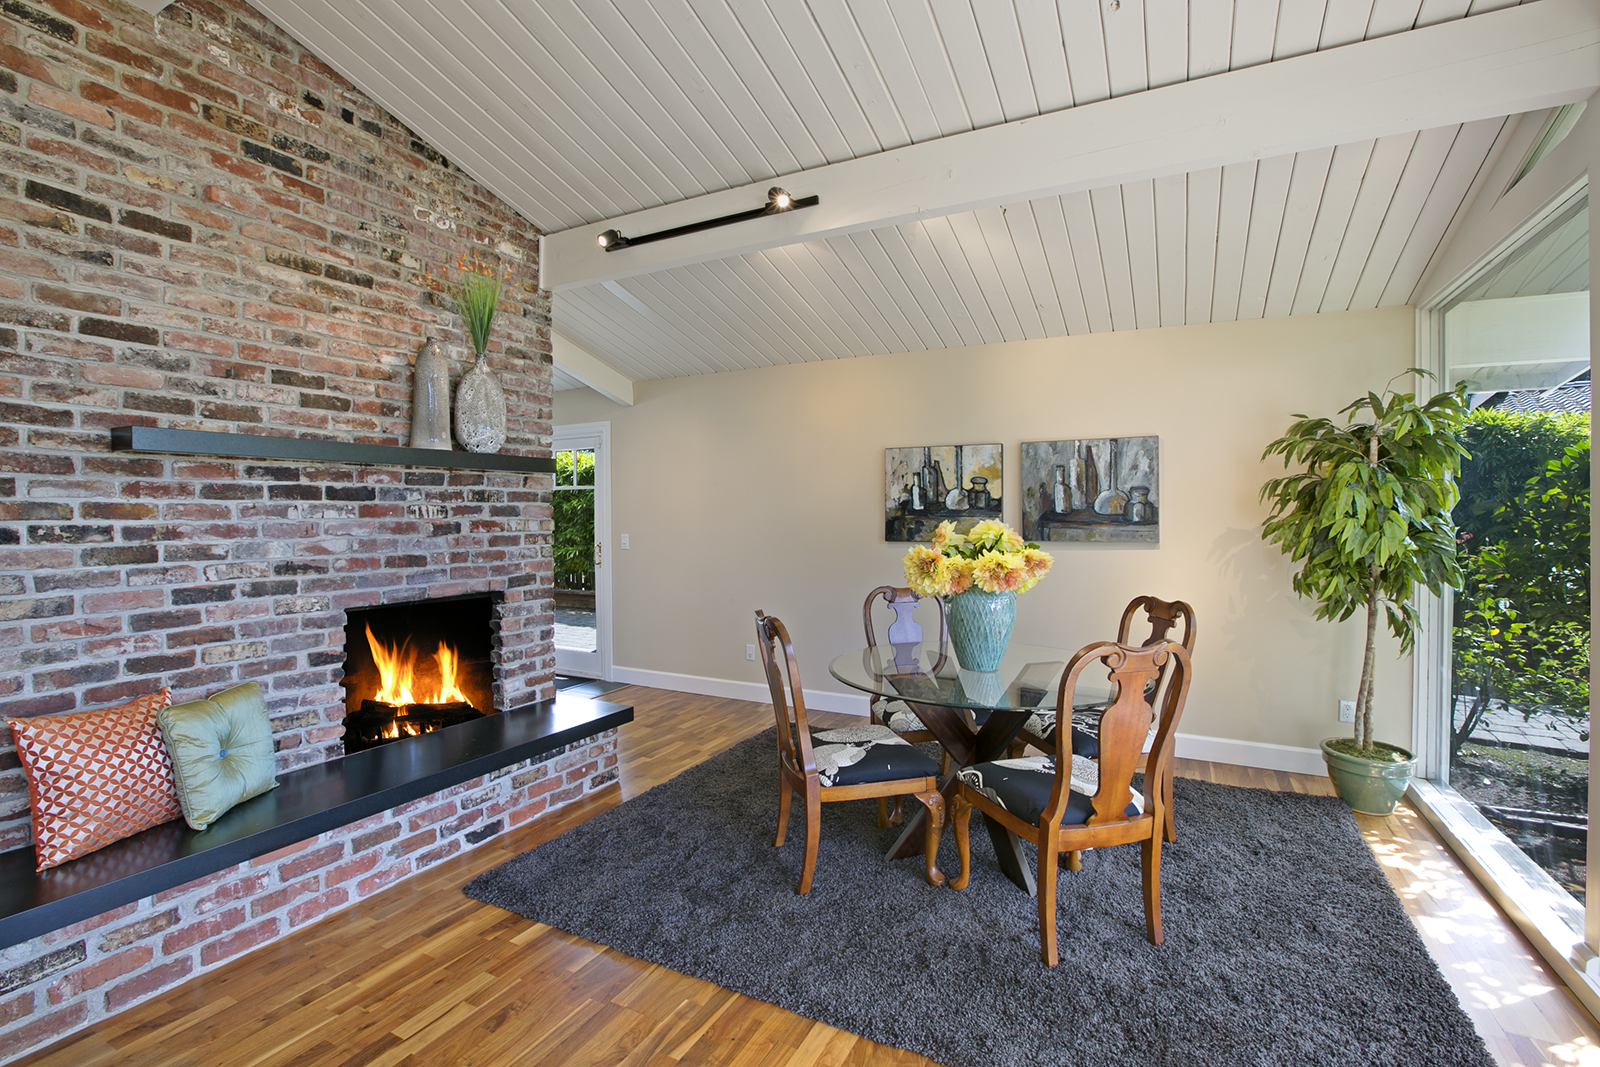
(589, 114)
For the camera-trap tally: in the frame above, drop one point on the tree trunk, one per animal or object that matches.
(1480, 707)
(1364, 691)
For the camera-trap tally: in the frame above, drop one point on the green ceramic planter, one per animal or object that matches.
(1369, 787)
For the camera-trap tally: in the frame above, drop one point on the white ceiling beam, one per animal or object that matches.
(1503, 62)
(589, 369)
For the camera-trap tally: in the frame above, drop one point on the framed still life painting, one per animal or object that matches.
(1104, 489)
(927, 484)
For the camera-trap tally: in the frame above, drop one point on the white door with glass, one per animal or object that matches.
(580, 506)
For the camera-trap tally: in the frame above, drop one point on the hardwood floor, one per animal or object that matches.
(421, 975)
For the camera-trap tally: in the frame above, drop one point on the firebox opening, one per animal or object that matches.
(416, 667)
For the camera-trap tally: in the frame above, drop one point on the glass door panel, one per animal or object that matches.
(1519, 698)
(574, 549)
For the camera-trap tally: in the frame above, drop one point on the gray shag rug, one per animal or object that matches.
(1284, 942)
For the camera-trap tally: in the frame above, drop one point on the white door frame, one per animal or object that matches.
(595, 435)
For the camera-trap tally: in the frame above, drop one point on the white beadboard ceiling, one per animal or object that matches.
(578, 111)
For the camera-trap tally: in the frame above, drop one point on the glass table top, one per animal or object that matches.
(1028, 679)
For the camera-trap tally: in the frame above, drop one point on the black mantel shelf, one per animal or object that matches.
(259, 446)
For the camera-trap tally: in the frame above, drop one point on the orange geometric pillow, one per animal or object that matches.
(95, 777)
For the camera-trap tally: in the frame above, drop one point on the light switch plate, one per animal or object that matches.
(624, 542)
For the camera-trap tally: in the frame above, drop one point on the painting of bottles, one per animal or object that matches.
(925, 485)
(1103, 489)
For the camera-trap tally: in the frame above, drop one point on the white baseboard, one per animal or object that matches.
(1189, 746)
(816, 699)
(1250, 754)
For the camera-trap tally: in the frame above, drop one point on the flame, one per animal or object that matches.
(400, 683)
(448, 672)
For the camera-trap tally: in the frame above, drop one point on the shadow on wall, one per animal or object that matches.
(1255, 579)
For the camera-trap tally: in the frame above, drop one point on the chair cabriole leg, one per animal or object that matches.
(935, 805)
(960, 816)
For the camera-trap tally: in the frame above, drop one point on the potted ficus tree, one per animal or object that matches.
(1367, 518)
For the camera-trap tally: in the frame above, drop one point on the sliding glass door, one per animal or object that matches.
(1516, 743)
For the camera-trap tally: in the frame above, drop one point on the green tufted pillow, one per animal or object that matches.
(221, 751)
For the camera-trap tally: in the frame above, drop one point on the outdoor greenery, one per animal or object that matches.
(1522, 613)
(573, 509)
(1367, 516)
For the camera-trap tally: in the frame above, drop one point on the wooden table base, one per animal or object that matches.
(967, 747)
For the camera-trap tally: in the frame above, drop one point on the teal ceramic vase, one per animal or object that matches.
(980, 627)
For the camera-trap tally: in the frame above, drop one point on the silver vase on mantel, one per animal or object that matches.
(480, 409)
(430, 398)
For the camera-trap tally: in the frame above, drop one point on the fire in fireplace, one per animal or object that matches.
(416, 667)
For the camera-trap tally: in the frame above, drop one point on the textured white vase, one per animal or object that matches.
(480, 409)
(430, 398)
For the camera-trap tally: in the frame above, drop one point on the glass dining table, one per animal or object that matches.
(974, 715)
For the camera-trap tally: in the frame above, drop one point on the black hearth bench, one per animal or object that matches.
(307, 802)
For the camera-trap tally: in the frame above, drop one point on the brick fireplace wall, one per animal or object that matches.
(203, 226)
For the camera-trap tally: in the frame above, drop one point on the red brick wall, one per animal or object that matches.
(66, 980)
(203, 226)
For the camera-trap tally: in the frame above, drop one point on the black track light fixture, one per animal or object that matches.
(778, 200)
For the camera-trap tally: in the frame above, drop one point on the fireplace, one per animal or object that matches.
(416, 667)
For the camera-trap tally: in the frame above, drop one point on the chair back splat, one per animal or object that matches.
(1163, 615)
(1125, 725)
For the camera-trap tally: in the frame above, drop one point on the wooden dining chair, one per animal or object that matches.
(852, 763)
(1039, 730)
(1075, 803)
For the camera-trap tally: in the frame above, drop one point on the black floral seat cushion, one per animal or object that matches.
(1085, 730)
(902, 720)
(1022, 787)
(897, 715)
(854, 755)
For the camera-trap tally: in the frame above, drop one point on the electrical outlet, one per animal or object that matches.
(750, 653)
(1347, 711)
(624, 542)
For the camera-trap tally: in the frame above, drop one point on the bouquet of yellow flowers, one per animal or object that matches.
(991, 556)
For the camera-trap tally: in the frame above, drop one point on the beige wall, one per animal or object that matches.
(764, 489)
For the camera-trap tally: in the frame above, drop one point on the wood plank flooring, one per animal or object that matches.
(421, 975)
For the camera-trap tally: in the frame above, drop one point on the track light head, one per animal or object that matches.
(611, 240)
(779, 199)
